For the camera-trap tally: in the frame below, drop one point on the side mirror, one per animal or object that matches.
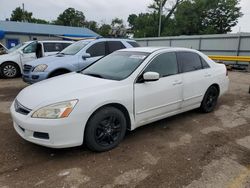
(85, 56)
(151, 76)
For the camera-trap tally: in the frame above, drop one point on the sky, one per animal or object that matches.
(102, 11)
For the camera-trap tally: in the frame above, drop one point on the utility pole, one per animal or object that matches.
(23, 13)
(159, 29)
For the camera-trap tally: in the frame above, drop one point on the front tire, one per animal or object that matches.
(210, 99)
(105, 129)
(9, 70)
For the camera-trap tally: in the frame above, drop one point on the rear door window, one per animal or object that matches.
(114, 45)
(189, 61)
(165, 64)
(53, 47)
(97, 49)
(134, 44)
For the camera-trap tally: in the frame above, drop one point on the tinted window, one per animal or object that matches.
(134, 44)
(97, 49)
(204, 63)
(189, 61)
(115, 45)
(31, 48)
(52, 47)
(165, 64)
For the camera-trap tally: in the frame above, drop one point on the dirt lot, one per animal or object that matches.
(190, 150)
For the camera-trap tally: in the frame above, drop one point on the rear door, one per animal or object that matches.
(29, 53)
(114, 45)
(195, 79)
(159, 98)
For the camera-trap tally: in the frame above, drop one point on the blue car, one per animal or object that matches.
(73, 58)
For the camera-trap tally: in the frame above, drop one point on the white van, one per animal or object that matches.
(11, 64)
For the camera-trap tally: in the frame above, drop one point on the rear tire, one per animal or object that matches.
(210, 99)
(105, 129)
(9, 70)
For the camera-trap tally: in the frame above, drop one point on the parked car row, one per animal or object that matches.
(73, 58)
(11, 63)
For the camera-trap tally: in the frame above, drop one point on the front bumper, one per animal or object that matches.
(56, 133)
(33, 77)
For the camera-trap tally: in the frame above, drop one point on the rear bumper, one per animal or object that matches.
(34, 77)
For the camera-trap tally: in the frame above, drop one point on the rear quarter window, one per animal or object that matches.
(134, 44)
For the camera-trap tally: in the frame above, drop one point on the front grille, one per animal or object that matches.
(21, 109)
(27, 68)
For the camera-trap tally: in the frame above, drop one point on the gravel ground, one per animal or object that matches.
(191, 150)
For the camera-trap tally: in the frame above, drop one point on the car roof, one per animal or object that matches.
(52, 41)
(108, 39)
(153, 49)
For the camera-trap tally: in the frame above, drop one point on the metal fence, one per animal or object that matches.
(226, 44)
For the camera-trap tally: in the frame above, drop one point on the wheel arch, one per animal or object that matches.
(217, 86)
(118, 106)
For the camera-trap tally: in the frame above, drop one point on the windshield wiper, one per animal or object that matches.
(94, 75)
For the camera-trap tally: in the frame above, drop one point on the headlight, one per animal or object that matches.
(55, 111)
(40, 68)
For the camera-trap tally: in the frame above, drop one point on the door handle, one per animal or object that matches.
(177, 82)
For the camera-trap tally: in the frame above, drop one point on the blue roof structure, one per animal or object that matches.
(44, 29)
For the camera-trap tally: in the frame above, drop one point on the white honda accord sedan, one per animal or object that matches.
(122, 91)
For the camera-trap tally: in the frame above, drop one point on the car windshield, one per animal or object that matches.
(74, 48)
(116, 66)
(16, 47)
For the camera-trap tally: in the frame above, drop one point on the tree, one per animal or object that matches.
(116, 22)
(92, 25)
(132, 20)
(71, 17)
(144, 25)
(222, 17)
(206, 16)
(165, 7)
(24, 16)
(19, 15)
(104, 30)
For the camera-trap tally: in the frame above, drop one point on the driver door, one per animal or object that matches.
(157, 99)
(29, 53)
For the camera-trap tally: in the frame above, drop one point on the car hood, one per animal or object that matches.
(9, 55)
(53, 59)
(61, 88)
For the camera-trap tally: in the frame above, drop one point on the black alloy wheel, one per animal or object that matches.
(210, 99)
(105, 129)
